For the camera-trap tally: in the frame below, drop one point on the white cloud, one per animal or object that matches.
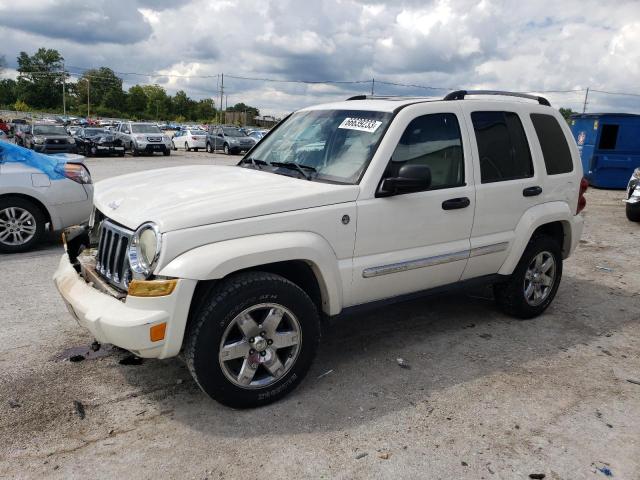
(506, 44)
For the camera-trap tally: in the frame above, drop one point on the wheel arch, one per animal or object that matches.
(553, 219)
(304, 258)
(35, 201)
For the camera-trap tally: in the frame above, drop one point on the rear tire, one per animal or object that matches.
(633, 212)
(15, 208)
(186, 147)
(518, 296)
(243, 377)
(209, 149)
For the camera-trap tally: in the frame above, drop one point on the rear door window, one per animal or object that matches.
(502, 146)
(555, 149)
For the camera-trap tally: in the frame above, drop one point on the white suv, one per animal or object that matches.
(340, 206)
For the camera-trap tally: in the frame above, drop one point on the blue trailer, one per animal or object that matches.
(609, 145)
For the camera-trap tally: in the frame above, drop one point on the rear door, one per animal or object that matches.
(508, 180)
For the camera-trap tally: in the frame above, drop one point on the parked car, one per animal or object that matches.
(633, 197)
(257, 134)
(98, 141)
(49, 138)
(19, 132)
(4, 127)
(39, 193)
(3, 136)
(143, 138)
(229, 139)
(73, 129)
(190, 139)
(234, 266)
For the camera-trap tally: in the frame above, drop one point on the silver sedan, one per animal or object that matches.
(39, 193)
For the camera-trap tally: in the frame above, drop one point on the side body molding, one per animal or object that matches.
(532, 219)
(216, 260)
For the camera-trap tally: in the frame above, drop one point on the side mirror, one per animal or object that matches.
(411, 178)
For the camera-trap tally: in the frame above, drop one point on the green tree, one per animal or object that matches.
(21, 106)
(566, 113)
(241, 107)
(158, 103)
(8, 91)
(205, 109)
(181, 104)
(40, 78)
(136, 101)
(104, 88)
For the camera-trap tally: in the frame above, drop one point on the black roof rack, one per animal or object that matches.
(460, 94)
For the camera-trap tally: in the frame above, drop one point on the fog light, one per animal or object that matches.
(156, 333)
(152, 288)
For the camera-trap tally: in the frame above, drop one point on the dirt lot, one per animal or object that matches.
(486, 397)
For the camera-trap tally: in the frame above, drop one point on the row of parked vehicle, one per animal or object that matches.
(226, 138)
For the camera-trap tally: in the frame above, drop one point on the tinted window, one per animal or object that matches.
(555, 150)
(608, 137)
(434, 141)
(502, 145)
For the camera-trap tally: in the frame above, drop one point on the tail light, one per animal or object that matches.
(582, 202)
(77, 172)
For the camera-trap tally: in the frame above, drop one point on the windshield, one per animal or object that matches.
(89, 132)
(233, 132)
(49, 130)
(338, 144)
(144, 128)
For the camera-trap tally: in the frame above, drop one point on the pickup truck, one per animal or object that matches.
(341, 206)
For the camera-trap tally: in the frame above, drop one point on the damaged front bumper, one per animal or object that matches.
(126, 321)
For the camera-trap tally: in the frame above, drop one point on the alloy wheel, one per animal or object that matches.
(17, 226)
(260, 345)
(539, 278)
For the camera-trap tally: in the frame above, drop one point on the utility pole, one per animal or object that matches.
(373, 84)
(221, 98)
(586, 97)
(64, 100)
(88, 102)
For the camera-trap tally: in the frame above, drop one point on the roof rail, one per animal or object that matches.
(357, 97)
(460, 94)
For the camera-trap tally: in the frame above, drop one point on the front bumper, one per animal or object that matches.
(153, 147)
(126, 324)
(108, 150)
(62, 148)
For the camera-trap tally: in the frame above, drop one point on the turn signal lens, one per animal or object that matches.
(77, 172)
(156, 333)
(152, 288)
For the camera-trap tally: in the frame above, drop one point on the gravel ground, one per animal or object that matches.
(486, 397)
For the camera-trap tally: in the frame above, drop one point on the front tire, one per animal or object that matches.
(21, 225)
(533, 285)
(633, 212)
(252, 339)
(209, 149)
(173, 146)
(166, 153)
(226, 149)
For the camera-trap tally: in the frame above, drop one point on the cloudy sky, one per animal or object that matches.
(537, 45)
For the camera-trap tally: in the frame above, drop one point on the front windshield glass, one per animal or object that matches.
(338, 144)
(233, 132)
(144, 128)
(49, 130)
(90, 132)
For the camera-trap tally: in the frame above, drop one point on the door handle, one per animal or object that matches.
(532, 191)
(454, 203)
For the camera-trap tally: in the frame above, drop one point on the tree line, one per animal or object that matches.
(39, 87)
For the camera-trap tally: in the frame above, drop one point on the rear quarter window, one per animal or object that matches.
(555, 149)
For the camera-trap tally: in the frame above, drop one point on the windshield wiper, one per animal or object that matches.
(254, 161)
(296, 166)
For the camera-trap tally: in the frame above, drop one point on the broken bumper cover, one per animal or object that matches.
(126, 324)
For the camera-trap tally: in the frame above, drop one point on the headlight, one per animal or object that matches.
(72, 141)
(38, 140)
(102, 140)
(233, 140)
(144, 250)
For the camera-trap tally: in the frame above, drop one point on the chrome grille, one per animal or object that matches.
(112, 262)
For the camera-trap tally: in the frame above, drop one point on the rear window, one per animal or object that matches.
(502, 146)
(555, 149)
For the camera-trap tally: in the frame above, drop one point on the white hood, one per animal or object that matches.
(190, 196)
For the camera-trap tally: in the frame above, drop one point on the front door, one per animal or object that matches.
(415, 241)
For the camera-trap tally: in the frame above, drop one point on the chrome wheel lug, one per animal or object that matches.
(263, 334)
(263, 353)
(269, 342)
(252, 351)
(251, 340)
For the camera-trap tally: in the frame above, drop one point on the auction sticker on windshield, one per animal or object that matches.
(362, 124)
